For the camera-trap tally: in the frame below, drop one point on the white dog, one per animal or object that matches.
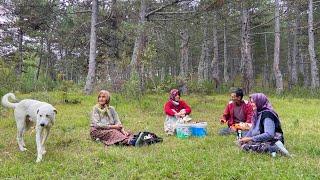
(27, 113)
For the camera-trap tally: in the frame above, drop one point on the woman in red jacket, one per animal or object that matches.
(176, 110)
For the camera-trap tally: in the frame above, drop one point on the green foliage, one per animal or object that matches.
(205, 87)
(8, 83)
(69, 95)
(149, 55)
(34, 15)
(168, 84)
(27, 82)
(300, 79)
(8, 79)
(131, 88)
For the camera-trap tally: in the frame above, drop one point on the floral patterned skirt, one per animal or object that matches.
(262, 147)
(110, 136)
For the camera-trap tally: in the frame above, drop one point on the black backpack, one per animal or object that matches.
(146, 138)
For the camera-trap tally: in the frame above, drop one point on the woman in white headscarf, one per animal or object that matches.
(105, 124)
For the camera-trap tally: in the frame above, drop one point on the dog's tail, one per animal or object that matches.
(5, 100)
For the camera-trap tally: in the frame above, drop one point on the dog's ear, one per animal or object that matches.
(55, 111)
(37, 111)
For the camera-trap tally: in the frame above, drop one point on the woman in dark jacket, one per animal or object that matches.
(266, 134)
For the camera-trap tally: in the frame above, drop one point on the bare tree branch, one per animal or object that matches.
(176, 12)
(264, 23)
(164, 6)
(78, 12)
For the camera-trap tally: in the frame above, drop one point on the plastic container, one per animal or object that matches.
(199, 129)
(183, 130)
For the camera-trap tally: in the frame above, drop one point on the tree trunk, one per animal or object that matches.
(294, 74)
(93, 47)
(139, 45)
(246, 60)
(184, 62)
(301, 60)
(312, 55)
(204, 53)
(40, 59)
(307, 73)
(112, 44)
(184, 52)
(289, 57)
(162, 74)
(215, 59)
(50, 62)
(276, 69)
(301, 63)
(20, 61)
(225, 55)
(266, 71)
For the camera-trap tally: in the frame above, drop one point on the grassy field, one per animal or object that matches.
(72, 154)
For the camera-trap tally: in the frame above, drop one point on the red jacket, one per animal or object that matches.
(228, 114)
(182, 105)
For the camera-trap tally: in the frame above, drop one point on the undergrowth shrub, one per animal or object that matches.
(168, 84)
(8, 83)
(132, 87)
(205, 87)
(69, 93)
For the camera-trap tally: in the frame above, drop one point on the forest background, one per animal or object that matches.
(151, 46)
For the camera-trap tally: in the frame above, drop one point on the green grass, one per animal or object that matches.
(72, 154)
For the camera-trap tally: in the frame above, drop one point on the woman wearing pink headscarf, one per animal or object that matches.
(266, 134)
(175, 109)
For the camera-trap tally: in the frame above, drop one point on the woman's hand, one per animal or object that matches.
(124, 132)
(116, 126)
(245, 139)
(178, 115)
(223, 121)
(182, 113)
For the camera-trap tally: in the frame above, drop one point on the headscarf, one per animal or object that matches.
(104, 110)
(262, 103)
(107, 94)
(173, 94)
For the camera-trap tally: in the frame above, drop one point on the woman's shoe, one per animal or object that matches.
(282, 149)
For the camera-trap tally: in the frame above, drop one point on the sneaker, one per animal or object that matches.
(282, 149)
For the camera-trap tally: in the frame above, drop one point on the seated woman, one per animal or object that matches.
(105, 124)
(176, 110)
(265, 134)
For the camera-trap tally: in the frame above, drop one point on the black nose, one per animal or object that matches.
(42, 124)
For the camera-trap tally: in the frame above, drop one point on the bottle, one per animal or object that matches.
(239, 134)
